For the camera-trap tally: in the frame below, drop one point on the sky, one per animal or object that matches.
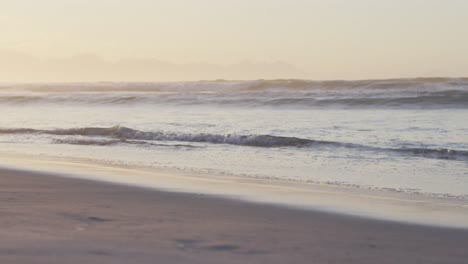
(160, 40)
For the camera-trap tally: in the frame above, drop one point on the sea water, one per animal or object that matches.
(405, 135)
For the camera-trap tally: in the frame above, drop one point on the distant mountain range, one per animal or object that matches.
(22, 67)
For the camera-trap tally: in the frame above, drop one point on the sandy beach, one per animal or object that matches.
(49, 219)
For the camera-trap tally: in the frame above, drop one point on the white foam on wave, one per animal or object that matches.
(125, 135)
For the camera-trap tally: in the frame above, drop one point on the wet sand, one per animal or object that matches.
(49, 219)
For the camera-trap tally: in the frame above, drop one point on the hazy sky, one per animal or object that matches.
(56, 40)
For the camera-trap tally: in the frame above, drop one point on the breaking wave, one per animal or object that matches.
(419, 92)
(253, 85)
(110, 142)
(124, 135)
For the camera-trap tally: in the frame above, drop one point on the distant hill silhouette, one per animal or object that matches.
(21, 67)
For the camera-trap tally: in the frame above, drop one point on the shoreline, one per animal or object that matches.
(50, 219)
(341, 200)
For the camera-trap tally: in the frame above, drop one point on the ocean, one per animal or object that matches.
(402, 135)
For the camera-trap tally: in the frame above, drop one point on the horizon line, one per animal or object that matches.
(246, 80)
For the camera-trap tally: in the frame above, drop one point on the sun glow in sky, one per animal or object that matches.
(88, 40)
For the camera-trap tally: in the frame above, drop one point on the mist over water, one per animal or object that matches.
(402, 134)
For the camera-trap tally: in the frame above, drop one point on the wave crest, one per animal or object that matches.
(124, 135)
(424, 92)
